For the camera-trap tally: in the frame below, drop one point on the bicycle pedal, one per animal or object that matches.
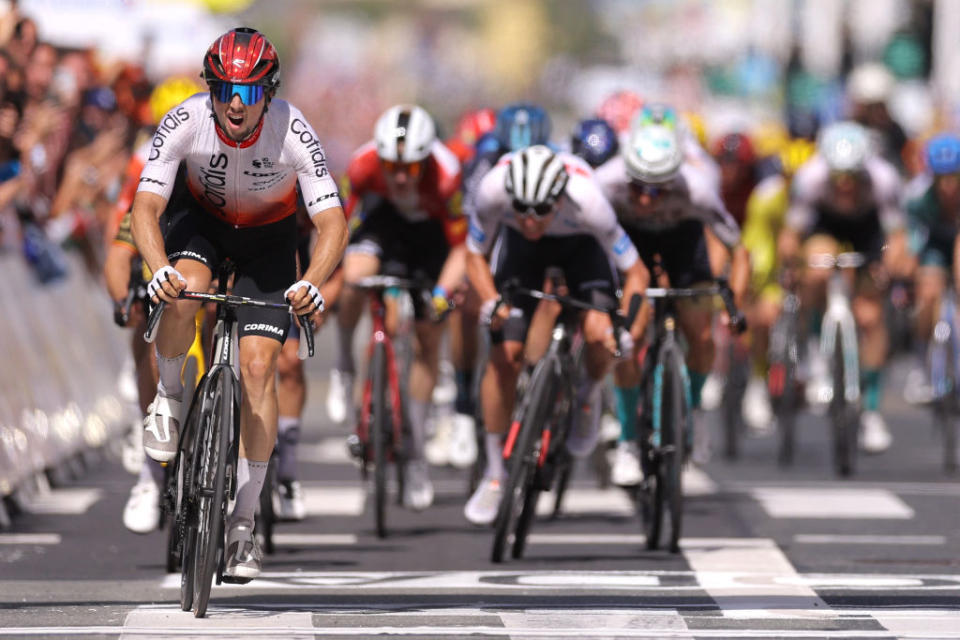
(235, 580)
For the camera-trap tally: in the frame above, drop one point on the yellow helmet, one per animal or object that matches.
(794, 154)
(696, 126)
(769, 138)
(170, 93)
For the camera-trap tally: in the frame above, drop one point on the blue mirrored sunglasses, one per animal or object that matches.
(249, 93)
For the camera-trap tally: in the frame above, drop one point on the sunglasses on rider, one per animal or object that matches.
(412, 169)
(537, 210)
(644, 189)
(250, 94)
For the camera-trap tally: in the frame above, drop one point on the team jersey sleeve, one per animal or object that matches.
(601, 221)
(448, 191)
(805, 189)
(765, 210)
(709, 207)
(490, 202)
(309, 160)
(171, 143)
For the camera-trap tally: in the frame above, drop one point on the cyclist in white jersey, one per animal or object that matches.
(244, 153)
(535, 210)
(673, 210)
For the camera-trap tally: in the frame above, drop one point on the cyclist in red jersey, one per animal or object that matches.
(244, 152)
(470, 127)
(401, 186)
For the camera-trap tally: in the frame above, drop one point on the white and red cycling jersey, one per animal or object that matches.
(247, 183)
(583, 210)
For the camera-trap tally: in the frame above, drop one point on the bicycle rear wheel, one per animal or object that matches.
(733, 392)
(524, 456)
(675, 413)
(211, 486)
(845, 416)
(379, 425)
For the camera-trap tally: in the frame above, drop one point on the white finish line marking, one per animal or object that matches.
(72, 501)
(314, 539)
(814, 538)
(588, 501)
(601, 539)
(735, 599)
(29, 538)
(160, 620)
(832, 503)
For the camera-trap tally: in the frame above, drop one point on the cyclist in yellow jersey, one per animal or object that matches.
(765, 213)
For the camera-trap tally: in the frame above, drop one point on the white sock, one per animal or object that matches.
(417, 411)
(250, 477)
(493, 444)
(169, 370)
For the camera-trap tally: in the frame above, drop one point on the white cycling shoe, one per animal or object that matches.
(142, 511)
(711, 395)
(625, 470)
(161, 428)
(757, 412)
(481, 508)
(463, 441)
(874, 435)
(417, 488)
(340, 396)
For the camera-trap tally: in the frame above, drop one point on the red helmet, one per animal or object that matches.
(474, 124)
(619, 108)
(736, 147)
(242, 56)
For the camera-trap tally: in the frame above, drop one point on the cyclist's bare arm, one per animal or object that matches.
(327, 252)
(454, 268)
(739, 273)
(478, 270)
(116, 271)
(636, 279)
(145, 225)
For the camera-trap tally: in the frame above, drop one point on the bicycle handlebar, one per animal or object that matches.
(721, 288)
(415, 286)
(845, 260)
(306, 334)
(620, 322)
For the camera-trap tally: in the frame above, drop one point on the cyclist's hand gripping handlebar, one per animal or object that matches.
(737, 320)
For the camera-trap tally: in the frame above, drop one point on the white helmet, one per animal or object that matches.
(653, 153)
(536, 177)
(870, 83)
(844, 146)
(404, 133)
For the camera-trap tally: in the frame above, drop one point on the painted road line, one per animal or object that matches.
(832, 503)
(326, 451)
(264, 624)
(581, 501)
(696, 482)
(919, 623)
(943, 489)
(73, 501)
(333, 501)
(601, 539)
(665, 631)
(314, 539)
(30, 538)
(816, 538)
(612, 622)
(764, 560)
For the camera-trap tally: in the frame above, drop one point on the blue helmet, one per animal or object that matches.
(595, 141)
(943, 154)
(520, 125)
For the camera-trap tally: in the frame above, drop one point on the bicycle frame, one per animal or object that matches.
(380, 336)
(838, 320)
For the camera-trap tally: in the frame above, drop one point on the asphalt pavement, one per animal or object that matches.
(766, 552)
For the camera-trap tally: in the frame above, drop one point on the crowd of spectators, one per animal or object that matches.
(67, 124)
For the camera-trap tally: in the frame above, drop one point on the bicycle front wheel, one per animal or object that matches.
(675, 414)
(211, 486)
(524, 456)
(845, 416)
(379, 427)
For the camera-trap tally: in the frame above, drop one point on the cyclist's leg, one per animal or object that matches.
(762, 314)
(291, 397)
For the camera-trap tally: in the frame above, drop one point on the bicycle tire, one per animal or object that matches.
(379, 423)
(733, 392)
(172, 518)
(842, 415)
(786, 415)
(674, 415)
(186, 501)
(563, 481)
(214, 440)
(522, 463)
(650, 491)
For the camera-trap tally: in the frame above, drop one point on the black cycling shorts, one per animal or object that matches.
(863, 233)
(586, 269)
(265, 256)
(683, 252)
(405, 249)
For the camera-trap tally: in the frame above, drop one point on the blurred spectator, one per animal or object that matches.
(868, 88)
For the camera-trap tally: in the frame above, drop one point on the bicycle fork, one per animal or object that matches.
(838, 321)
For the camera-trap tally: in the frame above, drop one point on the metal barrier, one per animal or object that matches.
(60, 356)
